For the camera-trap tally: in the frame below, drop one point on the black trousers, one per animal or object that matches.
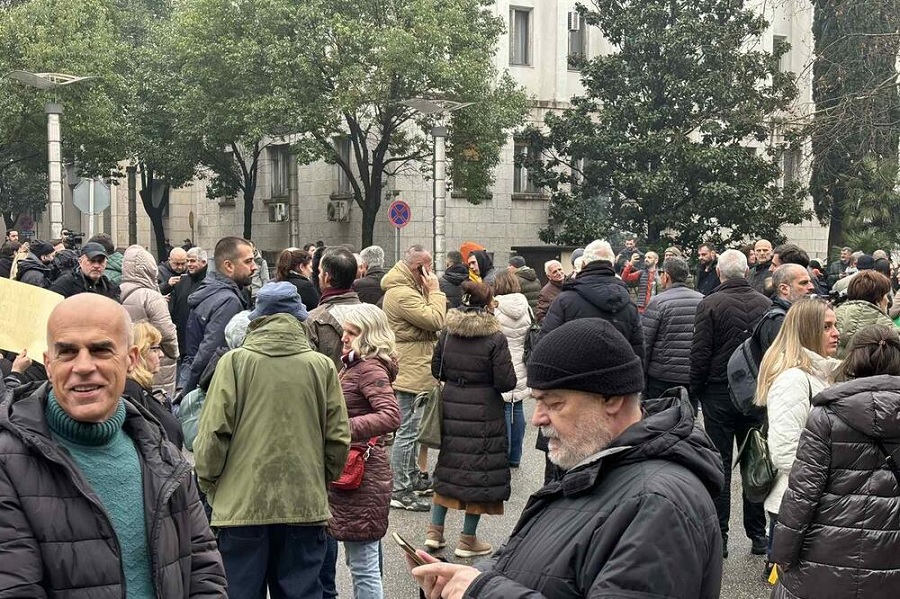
(725, 425)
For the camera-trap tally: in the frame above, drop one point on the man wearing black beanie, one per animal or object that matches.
(633, 514)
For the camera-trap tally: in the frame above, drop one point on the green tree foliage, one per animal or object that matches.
(657, 144)
(871, 201)
(369, 56)
(77, 37)
(857, 102)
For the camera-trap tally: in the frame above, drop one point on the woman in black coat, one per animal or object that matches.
(295, 267)
(838, 530)
(139, 384)
(472, 472)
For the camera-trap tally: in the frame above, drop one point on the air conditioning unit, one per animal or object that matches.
(339, 211)
(574, 21)
(278, 212)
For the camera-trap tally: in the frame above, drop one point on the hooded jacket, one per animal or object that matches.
(636, 521)
(668, 327)
(514, 315)
(450, 284)
(34, 272)
(213, 305)
(597, 293)
(74, 282)
(415, 317)
(274, 430)
(113, 270)
(837, 529)
(362, 514)
(58, 541)
(178, 304)
(531, 287)
(472, 357)
(143, 301)
(853, 315)
(486, 271)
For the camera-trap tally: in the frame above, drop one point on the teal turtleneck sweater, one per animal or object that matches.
(109, 461)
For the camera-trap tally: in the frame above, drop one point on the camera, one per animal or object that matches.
(72, 240)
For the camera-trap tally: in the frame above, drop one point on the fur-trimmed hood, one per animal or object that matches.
(471, 322)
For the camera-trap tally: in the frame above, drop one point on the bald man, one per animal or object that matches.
(170, 270)
(85, 477)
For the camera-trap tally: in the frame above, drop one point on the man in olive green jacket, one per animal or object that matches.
(273, 433)
(415, 307)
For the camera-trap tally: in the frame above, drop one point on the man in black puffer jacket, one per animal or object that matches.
(597, 293)
(93, 498)
(725, 319)
(633, 515)
(455, 275)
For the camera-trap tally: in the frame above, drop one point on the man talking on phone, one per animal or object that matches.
(632, 516)
(415, 307)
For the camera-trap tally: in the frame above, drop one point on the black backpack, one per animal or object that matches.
(743, 367)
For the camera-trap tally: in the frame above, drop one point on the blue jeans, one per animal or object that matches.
(515, 429)
(328, 574)
(286, 559)
(405, 449)
(364, 569)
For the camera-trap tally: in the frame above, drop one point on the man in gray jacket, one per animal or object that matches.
(668, 324)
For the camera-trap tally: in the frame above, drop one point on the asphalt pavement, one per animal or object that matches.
(742, 576)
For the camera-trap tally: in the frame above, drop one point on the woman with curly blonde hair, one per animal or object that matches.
(360, 517)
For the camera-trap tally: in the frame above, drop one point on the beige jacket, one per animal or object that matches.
(415, 317)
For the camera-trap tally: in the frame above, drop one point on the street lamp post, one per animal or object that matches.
(51, 81)
(439, 206)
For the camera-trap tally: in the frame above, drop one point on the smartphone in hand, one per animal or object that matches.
(406, 547)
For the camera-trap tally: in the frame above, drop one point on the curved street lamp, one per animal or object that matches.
(51, 81)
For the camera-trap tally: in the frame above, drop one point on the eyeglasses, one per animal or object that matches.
(156, 348)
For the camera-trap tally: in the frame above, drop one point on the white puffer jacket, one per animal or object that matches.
(512, 313)
(788, 407)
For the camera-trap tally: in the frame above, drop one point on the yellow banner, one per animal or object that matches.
(24, 310)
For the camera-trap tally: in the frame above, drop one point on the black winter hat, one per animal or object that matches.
(589, 355)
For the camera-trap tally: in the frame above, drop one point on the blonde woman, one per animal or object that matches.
(360, 517)
(796, 367)
(139, 384)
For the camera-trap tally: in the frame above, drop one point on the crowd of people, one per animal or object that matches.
(313, 387)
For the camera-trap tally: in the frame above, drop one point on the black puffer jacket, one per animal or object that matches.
(668, 325)
(57, 541)
(74, 282)
(531, 287)
(637, 522)
(472, 356)
(838, 528)
(178, 304)
(450, 283)
(368, 288)
(724, 320)
(161, 412)
(597, 293)
(758, 276)
(34, 272)
(707, 279)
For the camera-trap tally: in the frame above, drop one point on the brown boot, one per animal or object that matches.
(469, 546)
(434, 537)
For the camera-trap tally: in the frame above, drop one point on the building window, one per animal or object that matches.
(779, 43)
(577, 40)
(790, 165)
(522, 183)
(520, 36)
(342, 149)
(281, 170)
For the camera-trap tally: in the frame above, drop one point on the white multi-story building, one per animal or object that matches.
(297, 205)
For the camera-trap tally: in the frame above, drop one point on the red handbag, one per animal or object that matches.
(352, 476)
